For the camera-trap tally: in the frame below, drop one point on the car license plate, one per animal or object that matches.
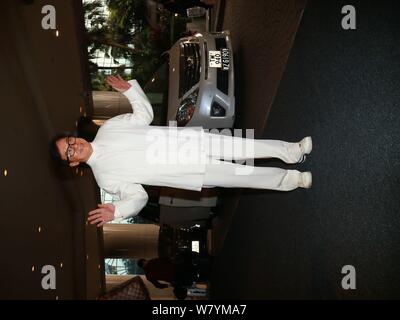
(219, 59)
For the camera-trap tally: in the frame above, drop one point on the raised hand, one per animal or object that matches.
(102, 215)
(118, 83)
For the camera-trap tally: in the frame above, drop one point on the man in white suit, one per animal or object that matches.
(127, 152)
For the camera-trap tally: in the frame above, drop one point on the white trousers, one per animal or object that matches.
(233, 175)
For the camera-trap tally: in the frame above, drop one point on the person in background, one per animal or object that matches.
(176, 272)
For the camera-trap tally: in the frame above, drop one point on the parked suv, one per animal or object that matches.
(201, 81)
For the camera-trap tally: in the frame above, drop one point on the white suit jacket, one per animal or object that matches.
(128, 152)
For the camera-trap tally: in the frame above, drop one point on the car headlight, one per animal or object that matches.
(186, 109)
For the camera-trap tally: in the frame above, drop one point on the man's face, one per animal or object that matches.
(78, 149)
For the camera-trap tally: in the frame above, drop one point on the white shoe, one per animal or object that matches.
(305, 180)
(302, 159)
(306, 145)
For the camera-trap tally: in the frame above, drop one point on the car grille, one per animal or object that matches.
(189, 67)
(222, 76)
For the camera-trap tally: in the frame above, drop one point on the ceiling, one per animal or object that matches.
(44, 90)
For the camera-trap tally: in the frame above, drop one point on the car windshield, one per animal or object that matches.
(156, 90)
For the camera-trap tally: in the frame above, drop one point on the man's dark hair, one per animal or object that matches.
(53, 147)
(141, 262)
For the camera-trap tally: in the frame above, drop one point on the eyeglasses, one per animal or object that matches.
(70, 151)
